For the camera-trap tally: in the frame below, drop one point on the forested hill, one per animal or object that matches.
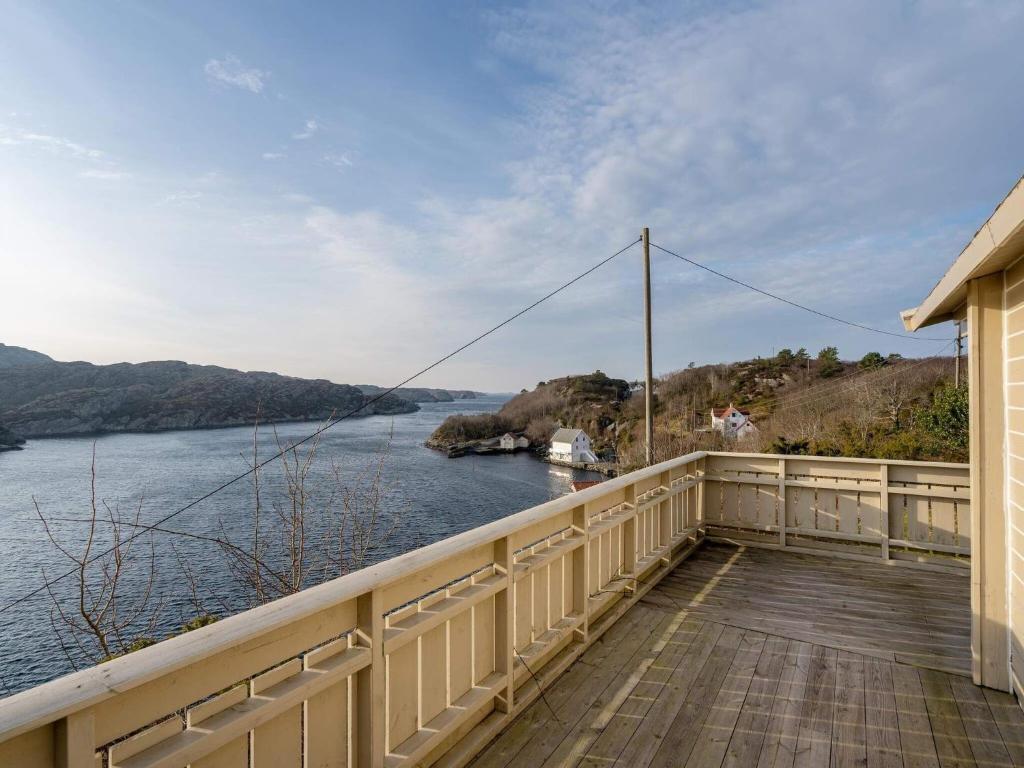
(880, 406)
(592, 402)
(40, 397)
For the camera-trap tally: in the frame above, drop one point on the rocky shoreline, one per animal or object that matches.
(484, 447)
(10, 441)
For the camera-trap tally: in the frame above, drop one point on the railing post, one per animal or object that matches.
(782, 502)
(581, 572)
(629, 535)
(701, 511)
(371, 711)
(883, 504)
(76, 741)
(665, 516)
(504, 623)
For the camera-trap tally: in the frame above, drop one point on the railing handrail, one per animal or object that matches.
(59, 698)
(838, 459)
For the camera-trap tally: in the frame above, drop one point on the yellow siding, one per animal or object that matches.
(1014, 372)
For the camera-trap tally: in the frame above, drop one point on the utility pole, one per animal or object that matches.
(648, 371)
(959, 352)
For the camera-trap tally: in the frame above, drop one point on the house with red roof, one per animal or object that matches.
(732, 422)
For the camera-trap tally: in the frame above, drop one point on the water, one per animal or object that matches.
(431, 496)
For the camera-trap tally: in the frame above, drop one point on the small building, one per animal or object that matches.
(732, 422)
(510, 442)
(571, 445)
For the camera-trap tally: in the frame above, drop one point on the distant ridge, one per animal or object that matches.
(423, 394)
(14, 356)
(40, 397)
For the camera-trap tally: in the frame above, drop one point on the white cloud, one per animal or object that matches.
(57, 145)
(310, 128)
(104, 174)
(274, 155)
(184, 197)
(338, 160)
(231, 71)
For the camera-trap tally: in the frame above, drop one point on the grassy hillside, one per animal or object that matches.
(880, 406)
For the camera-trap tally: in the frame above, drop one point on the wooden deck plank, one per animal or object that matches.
(747, 657)
(880, 718)
(634, 708)
(716, 734)
(748, 735)
(951, 742)
(536, 730)
(1006, 713)
(565, 746)
(857, 607)
(648, 736)
(814, 742)
(779, 748)
(686, 726)
(981, 728)
(849, 742)
(916, 740)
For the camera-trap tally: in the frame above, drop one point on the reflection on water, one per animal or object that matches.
(435, 497)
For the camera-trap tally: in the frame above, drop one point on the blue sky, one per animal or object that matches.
(350, 191)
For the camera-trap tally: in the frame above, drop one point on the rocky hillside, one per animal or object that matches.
(15, 356)
(45, 398)
(591, 402)
(422, 394)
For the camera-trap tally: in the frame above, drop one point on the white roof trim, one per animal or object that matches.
(998, 242)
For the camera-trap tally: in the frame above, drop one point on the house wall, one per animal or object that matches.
(990, 637)
(1013, 359)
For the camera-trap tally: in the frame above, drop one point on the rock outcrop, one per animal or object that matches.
(9, 441)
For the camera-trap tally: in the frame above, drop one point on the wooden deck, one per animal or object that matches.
(747, 657)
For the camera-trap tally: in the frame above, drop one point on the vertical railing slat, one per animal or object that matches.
(883, 506)
(371, 684)
(505, 623)
(781, 505)
(76, 741)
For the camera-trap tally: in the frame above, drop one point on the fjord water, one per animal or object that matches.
(432, 496)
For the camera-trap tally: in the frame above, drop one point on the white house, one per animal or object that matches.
(732, 421)
(571, 445)
(510, 442)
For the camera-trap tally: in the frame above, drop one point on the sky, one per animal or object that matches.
(350, 191)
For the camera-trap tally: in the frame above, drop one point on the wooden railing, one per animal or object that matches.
(427, 656)
(897, 511)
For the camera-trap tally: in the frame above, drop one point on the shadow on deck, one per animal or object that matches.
(747, 657)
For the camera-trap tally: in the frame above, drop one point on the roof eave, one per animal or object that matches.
(997, 244)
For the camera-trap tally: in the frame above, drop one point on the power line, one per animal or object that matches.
(793, 303)
(256, 467)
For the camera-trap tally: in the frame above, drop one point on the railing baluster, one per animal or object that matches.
(782, 503)
(581, 572)
(883, 503)
(76, 741)
(371, 684)
(629, 535)
(504, 623)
